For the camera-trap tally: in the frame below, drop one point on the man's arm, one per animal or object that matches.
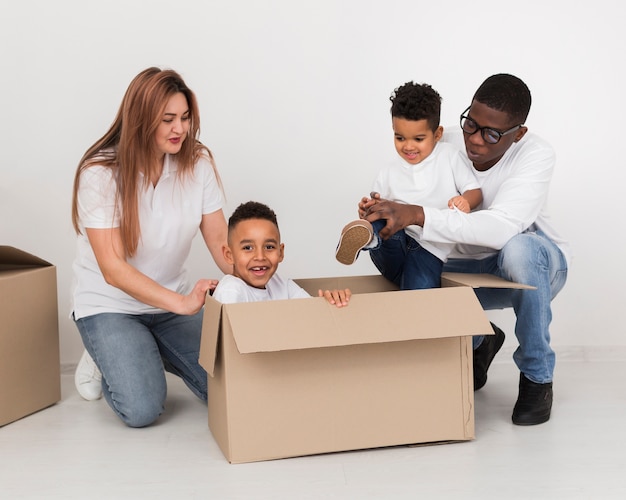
(397, 215)
(516, 194)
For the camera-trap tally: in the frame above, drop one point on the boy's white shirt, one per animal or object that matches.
(232, 289)
(515, 193)
(432, 182)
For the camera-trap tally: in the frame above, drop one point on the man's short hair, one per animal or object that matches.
(504, 92)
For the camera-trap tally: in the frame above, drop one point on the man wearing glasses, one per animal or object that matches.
(509, 236)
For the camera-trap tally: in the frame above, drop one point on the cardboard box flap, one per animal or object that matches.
(479, 281)
(357, 284)
(369, 319)
(13, 258)
(210, 334)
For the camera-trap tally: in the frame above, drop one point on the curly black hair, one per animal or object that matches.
(252, 210)
(414, 101)
(504, 92)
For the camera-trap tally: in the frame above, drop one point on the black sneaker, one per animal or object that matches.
(534, 402)
(484, 354)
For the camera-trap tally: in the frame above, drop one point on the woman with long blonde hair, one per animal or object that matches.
(141, 193)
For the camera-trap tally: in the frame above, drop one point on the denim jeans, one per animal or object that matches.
(134, 351)
(532, 259)
(403, 261)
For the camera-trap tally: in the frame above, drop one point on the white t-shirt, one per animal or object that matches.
(432, 182)
(169, 217)
(515, 192)
(232, 289)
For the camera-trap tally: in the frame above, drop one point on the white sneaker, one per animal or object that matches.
(88, 379)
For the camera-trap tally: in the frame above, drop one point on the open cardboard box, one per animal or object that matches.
(299, 377)
(30, 377)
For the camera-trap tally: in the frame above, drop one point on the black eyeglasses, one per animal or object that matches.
(489, 135)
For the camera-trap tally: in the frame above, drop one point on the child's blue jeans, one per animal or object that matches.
(403, 261)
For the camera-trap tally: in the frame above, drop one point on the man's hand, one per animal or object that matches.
(397, 215)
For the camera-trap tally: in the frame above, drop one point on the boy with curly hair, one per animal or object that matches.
(427, 172)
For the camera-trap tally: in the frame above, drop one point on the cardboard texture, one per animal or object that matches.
(299, 377)
(30, 378)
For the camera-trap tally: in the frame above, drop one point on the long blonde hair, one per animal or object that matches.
(128, 146)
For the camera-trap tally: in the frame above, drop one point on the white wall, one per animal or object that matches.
(294, 104)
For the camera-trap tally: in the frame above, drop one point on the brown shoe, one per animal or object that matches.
(354, 236)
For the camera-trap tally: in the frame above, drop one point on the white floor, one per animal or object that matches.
(79, 450)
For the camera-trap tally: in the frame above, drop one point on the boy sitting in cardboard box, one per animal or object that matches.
(254, 250)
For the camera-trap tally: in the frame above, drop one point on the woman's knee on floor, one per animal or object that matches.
(140, 415)
(138, 408)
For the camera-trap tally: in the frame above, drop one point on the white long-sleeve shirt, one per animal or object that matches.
(515, 192)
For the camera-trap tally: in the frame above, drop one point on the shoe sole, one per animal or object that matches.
(522, 415)
(535, 420)
(354, 237)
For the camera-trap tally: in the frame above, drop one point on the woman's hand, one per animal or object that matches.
(192, 303)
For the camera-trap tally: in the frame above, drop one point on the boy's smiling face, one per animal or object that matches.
(414, 139)
(254, 250)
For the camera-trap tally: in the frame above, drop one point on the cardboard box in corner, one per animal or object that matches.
(299, 377)
(29, 335)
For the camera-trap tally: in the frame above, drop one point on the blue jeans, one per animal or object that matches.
(532, 259)
(134, 351)
(403, 261)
